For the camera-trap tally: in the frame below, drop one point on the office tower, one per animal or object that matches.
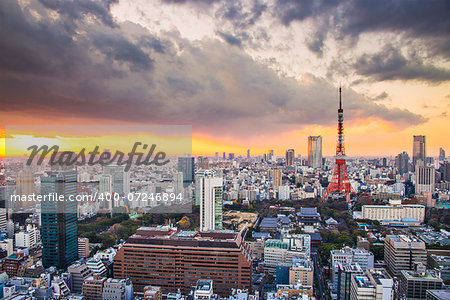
(248, 153)
(419, 149)
(290, 155)
(347, 256)
(283, 192)
(402, 163)
(441, 154)
(83, 247)
(208, 194)
(202, 163)
(79, 272)
(217, 156)
(315, 151)
(445, 170)
(344, 279)
(230, 156)
(119, 179)
(277, 178)
(375, 284)
(178, 183)
(24, 187)
(425, 179)
(186, 166)
(283, 251)
(415, 284)
(175, 259)
(224, 156)
(59, 219)
(401, 252)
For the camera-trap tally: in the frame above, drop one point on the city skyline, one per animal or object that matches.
(216, 66)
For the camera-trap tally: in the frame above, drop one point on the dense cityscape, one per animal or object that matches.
(261, 227)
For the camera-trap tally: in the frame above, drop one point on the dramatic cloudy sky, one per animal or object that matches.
(250, 74)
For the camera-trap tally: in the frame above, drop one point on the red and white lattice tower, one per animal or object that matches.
(340, 184)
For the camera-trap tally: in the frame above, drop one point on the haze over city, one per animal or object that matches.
(253, 75)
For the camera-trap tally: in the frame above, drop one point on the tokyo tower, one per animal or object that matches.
(340, 184)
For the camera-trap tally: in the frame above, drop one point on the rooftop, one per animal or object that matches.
(175, 237)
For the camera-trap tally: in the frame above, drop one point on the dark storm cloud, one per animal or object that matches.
(391, 64)
(230, 39)
(382, 96)
(123, 72)
(429, 20)
(77, 9)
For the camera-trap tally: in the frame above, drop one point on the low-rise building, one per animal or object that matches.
(93, 287)
(395, 211)
(414, 284)
(117, 289)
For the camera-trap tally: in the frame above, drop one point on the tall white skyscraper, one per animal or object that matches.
(208, 194)
(315, 151)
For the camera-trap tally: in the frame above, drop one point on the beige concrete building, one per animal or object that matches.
(395, 211)
(401, 252)
(302, 272)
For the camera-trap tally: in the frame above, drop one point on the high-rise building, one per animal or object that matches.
(59, 219)
(83, 247)
(230, 156)
(401, 252)
(283, 251)
(24, 187)
(175, 259)
(344, 279)
(217, 156)
(425, 179)
(441, 154)
(202, 163)
(277, 178)
(208, 194)
(119, 179)
(419, 149)
(315, 151)
(375, 284)
(290, 155)
(186, 166)
(248, 153)
(445, 170)
(347, 256)
(402, 163)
